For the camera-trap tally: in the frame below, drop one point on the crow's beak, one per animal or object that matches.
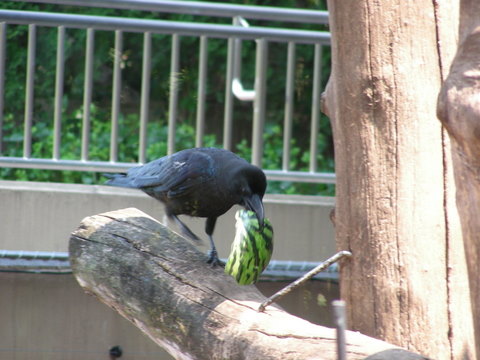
(254, 203)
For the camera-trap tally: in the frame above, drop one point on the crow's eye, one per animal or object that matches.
(246, 191)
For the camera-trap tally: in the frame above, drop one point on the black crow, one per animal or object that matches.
(200, 182)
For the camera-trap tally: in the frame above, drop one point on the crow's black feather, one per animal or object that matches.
(201, 182)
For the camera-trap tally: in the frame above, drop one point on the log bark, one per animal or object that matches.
(161, 283)
(459, 111)
(407, 282)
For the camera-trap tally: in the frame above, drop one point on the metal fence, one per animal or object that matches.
(235, 34)
(43, 262)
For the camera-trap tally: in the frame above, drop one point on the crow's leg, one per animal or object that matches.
(212, 254)
(185, 230)
(165, 219)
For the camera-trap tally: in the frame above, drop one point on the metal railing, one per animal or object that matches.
(235, 34)
(58, 262)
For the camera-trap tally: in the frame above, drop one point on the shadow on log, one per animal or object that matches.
(162, 284)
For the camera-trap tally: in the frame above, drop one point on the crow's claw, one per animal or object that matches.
(213, 259)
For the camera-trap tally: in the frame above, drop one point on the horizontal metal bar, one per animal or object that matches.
(47, 260)
(205, 9)
(74, 165)
(299, 176)
(104, 166)
(40, 255)
(163, 26)
(37, 262)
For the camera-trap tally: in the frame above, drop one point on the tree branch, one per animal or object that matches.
(161, 283)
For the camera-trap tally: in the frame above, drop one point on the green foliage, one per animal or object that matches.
(299, 161)
(157, 129)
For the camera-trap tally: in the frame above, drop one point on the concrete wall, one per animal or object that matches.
(49, 316)
(40, 217)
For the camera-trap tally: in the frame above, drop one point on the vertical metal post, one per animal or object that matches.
(288, 120)
(341, 325)
(87, 93)
(314, 127)
(57, 116)
(259, 102)
(145, 96)
(202, 91)
(173, 101)
(3, 49)
(29, 91)
(228, 112)
(237, 51)
(116, 90)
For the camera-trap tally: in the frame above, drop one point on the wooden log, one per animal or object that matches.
(395, 211)
(162, 284)
(459, 111)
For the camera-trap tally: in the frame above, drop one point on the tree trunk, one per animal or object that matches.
(395, 208)
(161, 283)
(459, 111)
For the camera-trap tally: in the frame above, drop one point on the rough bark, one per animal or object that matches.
(407, 282)
(161, 283)
(459, 111)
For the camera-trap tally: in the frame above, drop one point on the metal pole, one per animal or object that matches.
(237, 51)
(3, 49)
(228, 112)
(29, 91)
(173, 101)
(116, 90)
(341, 325)
(57, 116)
(202, 91)
(259, 103)
(237, 86)
(287, 125)
(317, 68)
(145, 96)
(87, 93)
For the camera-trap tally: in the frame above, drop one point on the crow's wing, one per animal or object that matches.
(177, 174)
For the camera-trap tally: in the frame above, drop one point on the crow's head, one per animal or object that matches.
(251, 184)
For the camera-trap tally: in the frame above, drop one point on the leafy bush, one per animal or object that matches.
(42, 137)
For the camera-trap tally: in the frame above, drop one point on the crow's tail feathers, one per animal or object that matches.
(118, 180)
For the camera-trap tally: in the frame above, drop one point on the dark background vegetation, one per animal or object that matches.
(12, 141)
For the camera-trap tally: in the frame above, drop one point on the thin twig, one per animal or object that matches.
(304, 278)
